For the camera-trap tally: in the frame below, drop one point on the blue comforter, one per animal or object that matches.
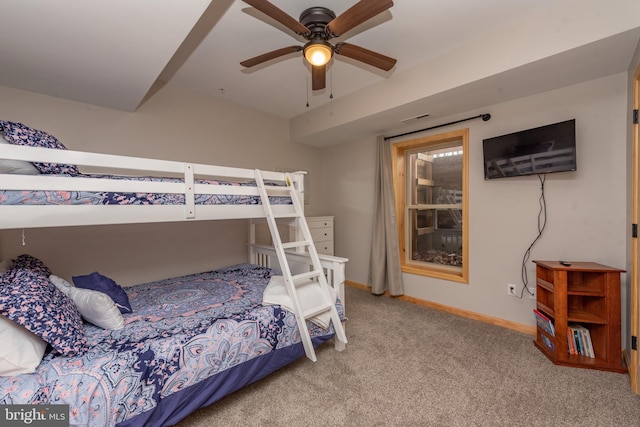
(189, 341)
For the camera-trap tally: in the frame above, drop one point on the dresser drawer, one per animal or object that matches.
(319, 223)
(325, 248)
(321, 230)
(321, 234)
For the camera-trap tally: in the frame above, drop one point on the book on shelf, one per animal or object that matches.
(571, 343)
(547, 341)
(586, 341)
(544, 322)
(579, 338)
(590, 350)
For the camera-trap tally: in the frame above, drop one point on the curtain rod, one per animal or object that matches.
(485, 117)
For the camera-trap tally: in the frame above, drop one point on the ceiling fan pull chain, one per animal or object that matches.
(307, 86)
(331, 83)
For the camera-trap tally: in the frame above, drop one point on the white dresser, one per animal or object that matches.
(321, 228)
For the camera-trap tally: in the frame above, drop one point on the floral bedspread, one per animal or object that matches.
(181, 331)
(60, 197)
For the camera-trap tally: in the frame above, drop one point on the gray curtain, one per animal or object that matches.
(385, 273)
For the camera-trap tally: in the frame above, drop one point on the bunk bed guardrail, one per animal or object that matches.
(188, 184)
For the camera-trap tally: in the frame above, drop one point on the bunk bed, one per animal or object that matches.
(186, 342)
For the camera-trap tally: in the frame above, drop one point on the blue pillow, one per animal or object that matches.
(31, 300)
(98, 282)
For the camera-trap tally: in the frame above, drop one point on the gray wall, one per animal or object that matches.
(176, 125)
(586, 209)
(586, 214)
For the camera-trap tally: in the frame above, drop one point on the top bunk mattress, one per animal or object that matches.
(81, 197)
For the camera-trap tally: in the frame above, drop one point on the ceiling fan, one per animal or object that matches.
(318, 25)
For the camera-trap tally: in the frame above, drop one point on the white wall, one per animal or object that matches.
(586, 209)
(174, 124)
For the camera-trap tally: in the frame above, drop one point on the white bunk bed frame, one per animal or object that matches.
(25, 216)
(36, 216)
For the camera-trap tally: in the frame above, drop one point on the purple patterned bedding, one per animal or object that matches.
(10, 197)
(189, 341)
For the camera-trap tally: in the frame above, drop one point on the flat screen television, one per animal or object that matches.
(541, 150)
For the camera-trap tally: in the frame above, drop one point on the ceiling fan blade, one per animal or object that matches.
(367, 56)
(270, 55)
(318, 77)
(279, 15)
(356, 15)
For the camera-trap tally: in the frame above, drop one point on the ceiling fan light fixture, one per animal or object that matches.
(318, 53)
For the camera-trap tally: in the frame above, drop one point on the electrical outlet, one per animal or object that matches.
(511, 290)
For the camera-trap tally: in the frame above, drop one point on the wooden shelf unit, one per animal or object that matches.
(586, 293)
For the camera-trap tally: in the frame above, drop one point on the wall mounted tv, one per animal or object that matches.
(545, 149)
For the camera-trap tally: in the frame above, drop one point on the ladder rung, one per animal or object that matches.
(287, 215)
(273, 190)
(305, 277)
(298, 244)
(317, 310)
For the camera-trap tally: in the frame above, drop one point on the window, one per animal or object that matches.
(430, 182)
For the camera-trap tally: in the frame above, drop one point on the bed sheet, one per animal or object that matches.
(185, 340)
(11, 197)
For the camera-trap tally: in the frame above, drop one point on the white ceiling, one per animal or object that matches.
(101, 52)
(453, 55)
(412, 31)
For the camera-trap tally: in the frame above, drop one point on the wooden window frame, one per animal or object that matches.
(398, 152)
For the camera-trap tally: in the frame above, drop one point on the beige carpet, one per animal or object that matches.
(407, 365)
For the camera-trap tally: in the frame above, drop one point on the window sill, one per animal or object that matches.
(453, 274)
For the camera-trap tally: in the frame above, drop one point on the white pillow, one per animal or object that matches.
(21, 351)
(16, 166)
(95, 307)
(61, 284)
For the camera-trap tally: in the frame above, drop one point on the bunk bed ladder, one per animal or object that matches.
(318, 296)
